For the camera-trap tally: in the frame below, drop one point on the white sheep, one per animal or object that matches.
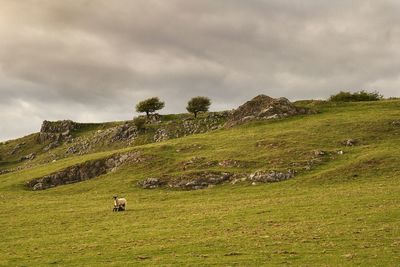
(119, 204)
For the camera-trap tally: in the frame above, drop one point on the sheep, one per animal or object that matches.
(119, 204)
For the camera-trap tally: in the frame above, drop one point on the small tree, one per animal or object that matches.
(149, 105)
(198, 104)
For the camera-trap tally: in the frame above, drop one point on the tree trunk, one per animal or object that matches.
(147, 114)
(195, 114)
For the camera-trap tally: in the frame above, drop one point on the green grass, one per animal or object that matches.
(343, 212)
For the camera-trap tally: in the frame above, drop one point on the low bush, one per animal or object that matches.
(139, 122)
(355, 97)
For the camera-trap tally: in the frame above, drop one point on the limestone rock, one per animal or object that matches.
(16, 148)
(161, 135)
(151, 183)
(84, 171)
(51, 146)
(231, 163)
(56, 130)
(271, 176)
(350, 142)
(30, 156)
(191, 181)
(124, 132)
(318, 153)
(264, 107)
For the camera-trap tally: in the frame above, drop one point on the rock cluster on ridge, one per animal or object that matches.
(264, 107)
(56, 131)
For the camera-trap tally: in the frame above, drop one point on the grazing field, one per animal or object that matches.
(341, 209)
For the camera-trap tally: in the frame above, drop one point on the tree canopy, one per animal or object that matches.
(198, 104)
(150, 105)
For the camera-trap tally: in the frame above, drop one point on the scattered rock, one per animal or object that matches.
(230, 163)
(396, 123)
(30, 156)
(340, 152)
(312, 162)
(80, 148)
(154, 118)
(189, 148)
(195, 161)
(318, 153)
(271, 176)
(16, 148)
(161, 135)
(124, 132)
(4, 171)
(350, 142)
(51, 146)
(38, 186)
(239, 178)
(151, 183)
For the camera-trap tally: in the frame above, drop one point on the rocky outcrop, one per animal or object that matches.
(30, 156)
(80, 148)
(125, 133)
(231, 163)
(84, 171)
(205, 179)
(4, 171)
(192, 181)
(16, 149)
(271, 176)
(56, 131)
(202, 162)
(151, 183)
(189, 126)
(161, 135)
(265, 108)
(154, 118)
(52, 145)
(350, 142)
(212, 121)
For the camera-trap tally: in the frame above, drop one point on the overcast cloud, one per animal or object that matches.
(92, 60)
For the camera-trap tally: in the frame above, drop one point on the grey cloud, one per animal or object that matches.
(91, 60)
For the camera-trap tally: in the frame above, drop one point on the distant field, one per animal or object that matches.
(344, 211)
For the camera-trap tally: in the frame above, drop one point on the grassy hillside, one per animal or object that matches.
(338, 210)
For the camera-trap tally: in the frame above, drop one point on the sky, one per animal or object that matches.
(93, 60)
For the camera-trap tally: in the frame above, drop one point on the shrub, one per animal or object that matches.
(139, 122)
(198, 104)
(355, 97)
(149, 105)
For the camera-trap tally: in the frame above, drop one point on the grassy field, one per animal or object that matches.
(344, 211)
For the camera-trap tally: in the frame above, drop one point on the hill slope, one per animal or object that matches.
(341, 208)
